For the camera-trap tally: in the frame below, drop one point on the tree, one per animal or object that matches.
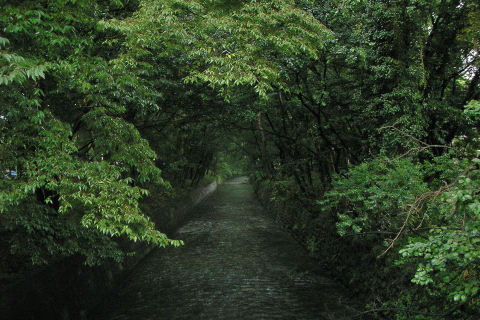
(65, 131)
(374, 120)
(223, 43)
(416, 192)
(86, 82)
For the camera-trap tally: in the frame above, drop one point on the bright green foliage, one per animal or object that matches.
(447, 259)
(434, 228)
(352, 111)
(65, 131)
(378, 122)
(223, 43)
(375, 195)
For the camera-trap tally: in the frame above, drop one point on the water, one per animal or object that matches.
(236, 264)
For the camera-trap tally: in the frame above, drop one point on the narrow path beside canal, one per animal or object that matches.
(237, 263)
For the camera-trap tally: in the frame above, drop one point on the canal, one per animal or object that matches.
(237, 263)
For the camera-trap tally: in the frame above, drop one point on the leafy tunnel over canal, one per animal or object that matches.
(237, 263)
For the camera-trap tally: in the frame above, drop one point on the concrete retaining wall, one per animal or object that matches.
(68, 290)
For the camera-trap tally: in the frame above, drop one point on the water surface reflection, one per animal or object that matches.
(236, 264)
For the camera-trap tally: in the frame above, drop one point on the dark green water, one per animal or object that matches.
(236, 264)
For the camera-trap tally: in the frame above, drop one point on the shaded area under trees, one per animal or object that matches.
(361, 117)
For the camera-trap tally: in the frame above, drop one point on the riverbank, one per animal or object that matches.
(67, 289)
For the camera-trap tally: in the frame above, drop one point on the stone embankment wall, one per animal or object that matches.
(67, 290)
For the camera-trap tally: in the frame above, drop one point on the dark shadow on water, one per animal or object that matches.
(237, 263)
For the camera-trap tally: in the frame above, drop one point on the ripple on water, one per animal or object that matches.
(236, 264)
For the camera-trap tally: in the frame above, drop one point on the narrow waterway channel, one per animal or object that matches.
(237, 263)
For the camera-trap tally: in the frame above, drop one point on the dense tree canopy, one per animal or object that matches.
(365, 114)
